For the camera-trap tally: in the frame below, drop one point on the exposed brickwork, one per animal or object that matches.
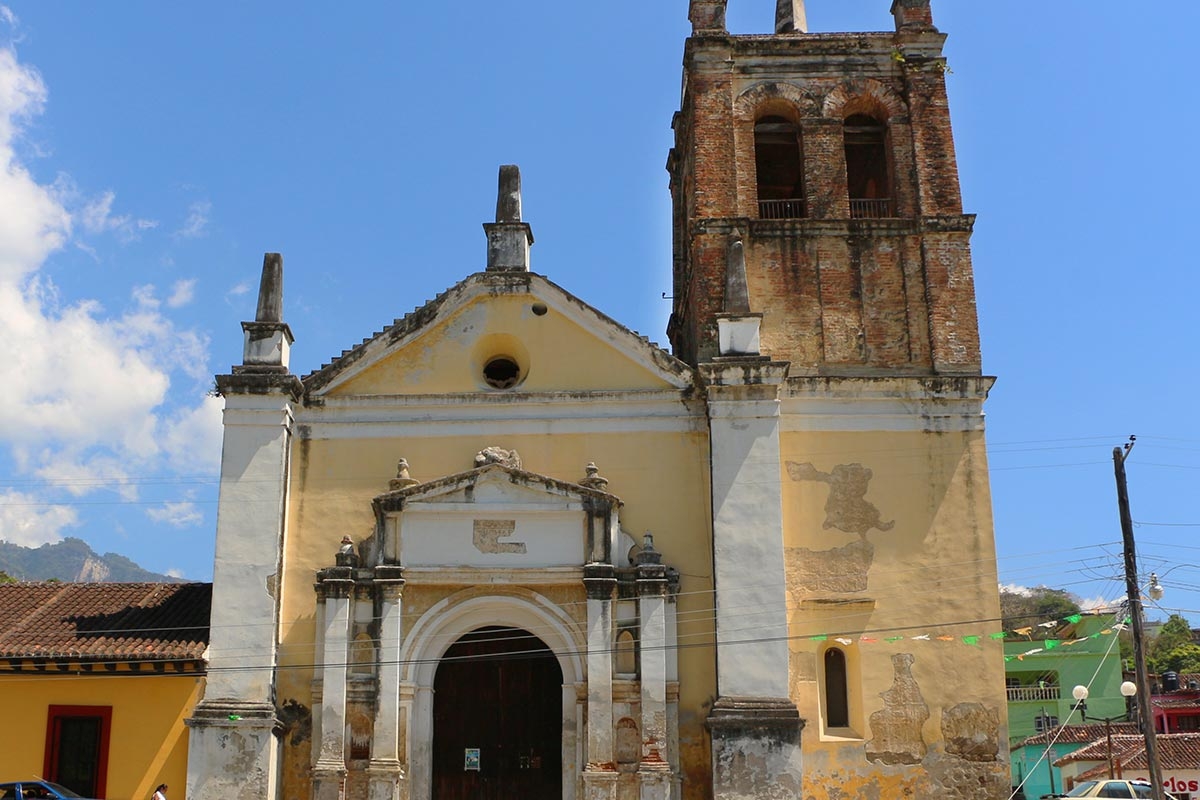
(839, 295)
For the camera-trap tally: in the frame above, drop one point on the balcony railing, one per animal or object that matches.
(1017, 694)
(875, 208)
(781, 209)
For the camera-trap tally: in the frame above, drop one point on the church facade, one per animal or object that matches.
(507, 547)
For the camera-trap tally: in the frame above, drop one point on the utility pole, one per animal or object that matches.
(1134, 592)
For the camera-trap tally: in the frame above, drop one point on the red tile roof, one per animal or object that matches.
(1175, 751)
(104, 621)
(1076, 734)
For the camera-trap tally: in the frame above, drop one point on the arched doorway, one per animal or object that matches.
(497, 706)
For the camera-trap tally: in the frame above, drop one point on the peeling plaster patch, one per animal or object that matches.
(969, 780)
(628, 745)
(273, 585)
(804, 667)
(841, 569)
(972, 731)
(896, 728)
(245, 752)
(847, 508)
(487, 533)
(296, 719)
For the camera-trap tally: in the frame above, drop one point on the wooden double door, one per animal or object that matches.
(497, 719)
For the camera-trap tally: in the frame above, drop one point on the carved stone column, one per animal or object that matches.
(654, 771)
(386, 771)
(335, 586)
(600, 772)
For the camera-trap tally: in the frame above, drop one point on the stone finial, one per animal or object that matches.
(402, 480)
(913, 15)
(592, 479)
(790, 16)
(267, 340)
(508, 197)
(737, 327)
(509, 239)
(648, 555)
(498, 455)
(270, 289)
(707, 16)
(737, 292)
(346, 556)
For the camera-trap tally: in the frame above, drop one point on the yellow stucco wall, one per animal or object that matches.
(661, 477)
(555, 354)
(890, 534)
(147, 742)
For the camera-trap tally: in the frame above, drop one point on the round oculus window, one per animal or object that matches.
(501, 372)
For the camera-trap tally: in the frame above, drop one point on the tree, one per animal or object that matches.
(1182, 659)
(6, 578)
(1173, 649)
(1020, 609)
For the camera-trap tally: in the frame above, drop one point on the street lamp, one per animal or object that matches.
(1080, 693)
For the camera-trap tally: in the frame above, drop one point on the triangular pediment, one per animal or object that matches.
(498, 517)
(494, 485)
(557, 342)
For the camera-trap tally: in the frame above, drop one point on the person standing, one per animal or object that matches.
(160, 793)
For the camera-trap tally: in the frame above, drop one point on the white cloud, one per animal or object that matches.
(197, 220)
(8, 16)
(238, 290)
(178, 515)
(97, 217)
(25, 521)
(174, 572)
(191, 440)
(145, 297)
(182, 293)
(88, 392)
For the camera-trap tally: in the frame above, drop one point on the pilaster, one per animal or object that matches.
(600, 773)
(232, 743)
(752, 651)
(654, 771)
(386, 771)
(755, 727)
(335, 587)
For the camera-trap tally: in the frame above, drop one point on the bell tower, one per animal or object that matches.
(823, 290)
(830, 157)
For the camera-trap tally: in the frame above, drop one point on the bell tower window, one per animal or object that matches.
(867, 167)
(779, 167)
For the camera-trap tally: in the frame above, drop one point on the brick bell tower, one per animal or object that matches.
(830, 157)
(823, 289)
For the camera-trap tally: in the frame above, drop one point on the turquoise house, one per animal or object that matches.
(1038, 688)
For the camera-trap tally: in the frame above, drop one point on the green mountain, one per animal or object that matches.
(71, 560)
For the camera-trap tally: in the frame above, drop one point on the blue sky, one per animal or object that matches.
(151, 152)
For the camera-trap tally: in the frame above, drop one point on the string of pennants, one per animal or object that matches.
(976, 639)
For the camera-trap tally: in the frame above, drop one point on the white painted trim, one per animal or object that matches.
(899, 404)
(877, 414)
(484, 576)
(477, 414)
(473, 510)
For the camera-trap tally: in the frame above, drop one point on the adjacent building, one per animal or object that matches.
(505, 546)
(96, 680)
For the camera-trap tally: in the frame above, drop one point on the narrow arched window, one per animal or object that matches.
(626, 653)
(867, 167)
(779, 167)
(837, 700)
